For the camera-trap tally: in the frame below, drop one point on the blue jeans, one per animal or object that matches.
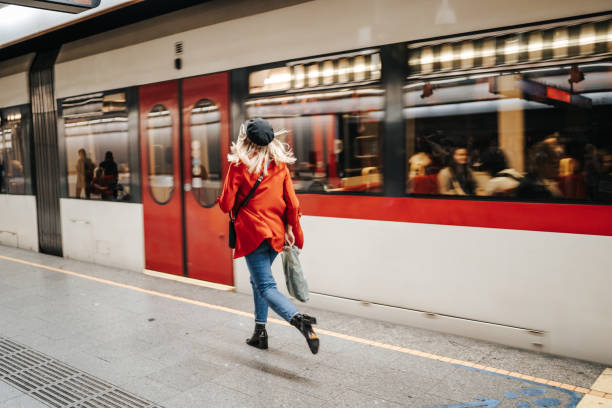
(265, 292)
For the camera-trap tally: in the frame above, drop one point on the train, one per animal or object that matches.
(454, 159)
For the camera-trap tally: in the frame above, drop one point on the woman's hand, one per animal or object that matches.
(289, 237)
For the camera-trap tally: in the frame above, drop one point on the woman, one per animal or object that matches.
(457, 179)
(84, 168)
(266, 223)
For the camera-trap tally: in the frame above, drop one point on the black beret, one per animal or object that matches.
(259, 131)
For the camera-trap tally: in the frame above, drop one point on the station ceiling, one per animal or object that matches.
(24, 29)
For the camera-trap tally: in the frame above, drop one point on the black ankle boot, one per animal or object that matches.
(259, 338)
(304, 324)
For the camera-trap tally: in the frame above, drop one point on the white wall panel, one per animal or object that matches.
(105, 233)
(14, 81)
(15, 90)
(18, 222)
(302, 30)
(555, 283)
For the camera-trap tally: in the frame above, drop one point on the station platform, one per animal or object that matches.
(78, 334)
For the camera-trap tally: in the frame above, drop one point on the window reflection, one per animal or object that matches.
(96, 139)
(161, 161)
(12, 177)
(205, 134)
(535, 134)
(335, 135)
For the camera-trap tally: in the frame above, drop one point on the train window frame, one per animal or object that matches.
(566, 60)
(25, 118)
(198, 163)
(173, 188)
(373, 79)
(133, 144)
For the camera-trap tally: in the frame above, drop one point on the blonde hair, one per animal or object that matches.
(256, 157)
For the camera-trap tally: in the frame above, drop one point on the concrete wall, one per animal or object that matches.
(18, 222)
(102, 232)
(491, 284)
(130, 56)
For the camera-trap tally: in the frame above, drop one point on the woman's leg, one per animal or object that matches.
(261, 306)
(260, 266)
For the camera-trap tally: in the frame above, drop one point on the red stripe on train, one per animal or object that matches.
(566, 218)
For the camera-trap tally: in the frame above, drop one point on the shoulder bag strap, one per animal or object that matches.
(250, 195)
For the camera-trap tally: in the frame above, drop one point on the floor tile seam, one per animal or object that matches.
(321, 331)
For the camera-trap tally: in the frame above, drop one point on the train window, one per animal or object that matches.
(12, 155)
(533, 133)
(96, 140)
(336, 136)
(161, 161)
(205, 134)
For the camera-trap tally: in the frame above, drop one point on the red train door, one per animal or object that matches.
(198, 248)
(206, 141)
(161, 184)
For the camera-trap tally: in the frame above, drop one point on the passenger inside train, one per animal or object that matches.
(517, 121)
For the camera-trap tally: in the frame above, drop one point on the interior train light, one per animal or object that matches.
(269, 80)
(565, 41)
(313, 75)
(467, 54)
(560, 42)
(587, 39)
(375, 66)
(328, 72)
(347, 68)
(535, 45)
(359, 68)
(446, 56)
(344, 70)
(488, 52)
(427, 59)
(299, 76)
(276, 79)
(511, 50)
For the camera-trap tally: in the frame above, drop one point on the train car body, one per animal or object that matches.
(529, 274)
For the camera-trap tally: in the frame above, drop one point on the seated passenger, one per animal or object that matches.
(457, 179)
(418, 164)
(504, 180)
(539, 183)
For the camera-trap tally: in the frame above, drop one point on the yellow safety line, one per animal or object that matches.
(404, 350)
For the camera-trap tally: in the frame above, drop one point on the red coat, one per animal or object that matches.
(273, 205)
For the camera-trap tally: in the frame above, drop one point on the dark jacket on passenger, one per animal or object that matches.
(532, 188)
(110, 169)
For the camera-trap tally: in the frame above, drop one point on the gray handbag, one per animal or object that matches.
(294, 277)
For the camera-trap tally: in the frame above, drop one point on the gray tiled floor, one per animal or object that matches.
(182, 355)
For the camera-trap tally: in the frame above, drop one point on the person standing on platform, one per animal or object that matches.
(268, 222)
